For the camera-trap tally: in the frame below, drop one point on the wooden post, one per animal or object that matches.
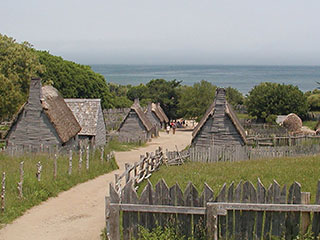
(112, 221)
(70, 162)
(80, 159)
(88, 156)
(101, 154)
(305, 216)
(116, 182)
(127, 166)
(55, 166)
(3, 191)
(39, 169)
(212, 223)
(21, 180)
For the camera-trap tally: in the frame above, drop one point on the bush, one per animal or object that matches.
(276, 99)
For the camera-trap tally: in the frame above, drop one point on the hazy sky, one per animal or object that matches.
(169, 31)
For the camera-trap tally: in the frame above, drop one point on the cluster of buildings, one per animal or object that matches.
(47, 120)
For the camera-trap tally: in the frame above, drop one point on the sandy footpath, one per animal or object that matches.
(79, 212)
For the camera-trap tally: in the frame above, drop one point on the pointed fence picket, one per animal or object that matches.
(236, 212)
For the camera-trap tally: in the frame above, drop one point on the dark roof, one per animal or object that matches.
(229, 111)
(162, 113)
(59, 114)
(144, 119)
(86, 112)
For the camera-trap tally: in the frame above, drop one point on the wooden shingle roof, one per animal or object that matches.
(86, 112)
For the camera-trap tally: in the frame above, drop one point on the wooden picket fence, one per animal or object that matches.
(239, 153)
(236, 212)
(287, 140)
(140, 170)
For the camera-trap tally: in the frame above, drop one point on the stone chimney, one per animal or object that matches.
(35, 93)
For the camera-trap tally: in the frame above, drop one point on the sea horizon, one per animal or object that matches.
(243, 77)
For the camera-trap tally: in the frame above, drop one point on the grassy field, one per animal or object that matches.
(310, 124)
(304, 170)
(35, 192)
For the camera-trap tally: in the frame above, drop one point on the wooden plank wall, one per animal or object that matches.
(235, 225)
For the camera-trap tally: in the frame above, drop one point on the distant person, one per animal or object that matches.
(174, 126)
(168, 128)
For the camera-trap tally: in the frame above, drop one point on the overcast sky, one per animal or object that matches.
(273, 32)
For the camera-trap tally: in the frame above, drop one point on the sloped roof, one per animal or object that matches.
(162, 113)
(86, 112)
(144, 119)
(157, 112)
(229, 111)
(59, 114)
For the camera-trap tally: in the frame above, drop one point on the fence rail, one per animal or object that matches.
(236, 212)
(141, 170)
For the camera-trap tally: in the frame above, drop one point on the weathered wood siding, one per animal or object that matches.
(155, 122)
(100, 138)
(33, 126)
(133, 128)
(218, 130)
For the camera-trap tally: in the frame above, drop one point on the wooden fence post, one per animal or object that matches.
(21, 180)
(116, 180)
(212, 223)
(39, 169)
(3, 191)
(88, 156)
(112, 221)
(70, 162)
(101, 154)
(127, 166)
(55, 166)
(305, 217)
(80, 159)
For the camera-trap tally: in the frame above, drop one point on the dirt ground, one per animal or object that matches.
(79, 212)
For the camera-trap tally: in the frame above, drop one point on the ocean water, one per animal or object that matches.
(244, 78)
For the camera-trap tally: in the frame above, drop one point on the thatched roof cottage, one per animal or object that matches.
(45, 121)
(162, 113)
(219, 126)
(135, 126)
(88, 113)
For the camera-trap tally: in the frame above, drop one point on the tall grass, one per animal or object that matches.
(304, 170)
(35, 192)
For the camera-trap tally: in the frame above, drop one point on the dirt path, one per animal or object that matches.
(79, 212)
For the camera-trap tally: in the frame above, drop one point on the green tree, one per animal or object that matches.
(18, 63)
(195, 100)
(234, 97)
(166, 93)
(278, 99)
(74, 80)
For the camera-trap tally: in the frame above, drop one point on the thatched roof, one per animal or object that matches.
(228, 111)
(142, 116)
(86, 112)
(155, 109)
(59, 114)
(165, 118)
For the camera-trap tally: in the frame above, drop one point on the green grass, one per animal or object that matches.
(35, 192)
(304, 170)
(244, 116)
(310, 124)
(4, 128)
(115, 145)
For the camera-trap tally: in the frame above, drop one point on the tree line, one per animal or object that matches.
(20, 61)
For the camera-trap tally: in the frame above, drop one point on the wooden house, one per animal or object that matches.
(219, 126)
(156, 118)
(88, 113)
(135, 126)
(44, 121)
(165, 120)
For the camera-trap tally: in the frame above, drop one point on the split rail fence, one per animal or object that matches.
(236, 212)
(140, 170)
